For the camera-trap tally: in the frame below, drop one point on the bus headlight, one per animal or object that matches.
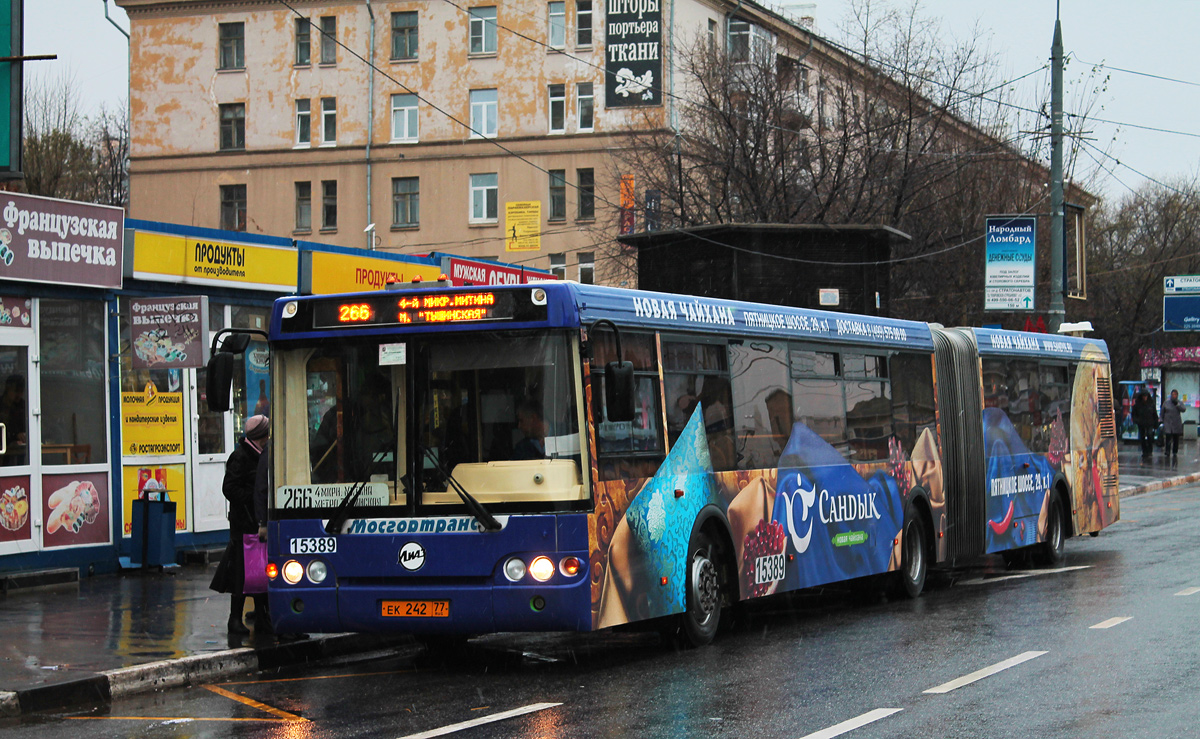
(292, 572)
(541, 568)
(514, 569)
(290, 308)
(317, 571)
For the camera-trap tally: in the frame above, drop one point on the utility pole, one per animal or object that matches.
(1057, 310)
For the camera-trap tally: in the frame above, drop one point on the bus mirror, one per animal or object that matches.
(219, 381)
(618, 391)
(235, 343)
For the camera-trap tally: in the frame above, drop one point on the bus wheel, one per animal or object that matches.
(914, 560)
(1053, 549)
(703, 613)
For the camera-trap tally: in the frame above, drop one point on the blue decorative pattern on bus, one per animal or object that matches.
(680, 312)
(994, 341)
(661, 522)
(838, 525)
(1016, 484)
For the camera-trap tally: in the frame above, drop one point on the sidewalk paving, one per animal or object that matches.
(87, 643)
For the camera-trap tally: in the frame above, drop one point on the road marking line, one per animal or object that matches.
(255, 704)
(1022, 575)
(172, 719)
(985, 672)
(452, 728)
(1112, 622)
(315, 677)
(869, 717)
(1188, 591)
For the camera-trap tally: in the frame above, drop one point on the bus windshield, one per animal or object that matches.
(498, 412)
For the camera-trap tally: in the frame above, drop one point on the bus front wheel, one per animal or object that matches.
(703, 613)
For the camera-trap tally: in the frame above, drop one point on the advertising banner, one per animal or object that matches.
(16, 313)
(258, 379)
(14, 509)
(523, 226)
(151, 423)
(628, 222)
(1181, 313)
(60, 241)
(169, 332)
(154, 482)
(324, 273)
(477, 272)
(1009, 273)
(633, 53)
(75, 509)
(194, 261)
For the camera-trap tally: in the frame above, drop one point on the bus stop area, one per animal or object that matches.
(82, 643)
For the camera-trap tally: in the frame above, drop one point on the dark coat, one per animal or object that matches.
(1172, 416)
(1144, 414)
(238, 487)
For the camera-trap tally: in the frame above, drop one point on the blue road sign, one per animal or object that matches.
(1181, 313)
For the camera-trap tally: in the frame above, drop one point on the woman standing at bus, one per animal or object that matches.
(238, 487)
(1172, 420)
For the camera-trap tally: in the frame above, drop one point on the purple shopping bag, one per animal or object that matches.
(254, 556)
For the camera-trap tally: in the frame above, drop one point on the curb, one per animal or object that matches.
(101, 689)
(1151, 487)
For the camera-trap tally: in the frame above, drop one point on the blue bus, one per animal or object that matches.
(558, 456)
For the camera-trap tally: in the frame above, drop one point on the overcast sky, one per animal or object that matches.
(1153, 37)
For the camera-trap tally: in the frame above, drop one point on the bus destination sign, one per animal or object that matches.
(415, 309)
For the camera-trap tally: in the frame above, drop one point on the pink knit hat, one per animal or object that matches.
(257, 427)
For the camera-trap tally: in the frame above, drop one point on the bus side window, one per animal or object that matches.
(817, 394)
(868, 407)
(1056, 406)
(1024, 401)
(912, 397)
(698, 375)
(762, 409)
(629, 449)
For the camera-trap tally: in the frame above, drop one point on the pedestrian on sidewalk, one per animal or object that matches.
(1172, 419)
(1146, 419)
(241, 471)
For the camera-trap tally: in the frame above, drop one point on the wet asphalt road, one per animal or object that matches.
(797, 667)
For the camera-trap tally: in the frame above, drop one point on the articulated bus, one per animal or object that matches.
(557, 456)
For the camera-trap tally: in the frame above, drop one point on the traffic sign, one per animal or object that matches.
(1181, 284)
(1181, 313)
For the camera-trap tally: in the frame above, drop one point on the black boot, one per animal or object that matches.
(237, 604)
(262, 617)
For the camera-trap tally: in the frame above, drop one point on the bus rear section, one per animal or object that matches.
(428, 472)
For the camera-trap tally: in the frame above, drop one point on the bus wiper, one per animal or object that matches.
(343, 509)
(379, 455)
(474, 506)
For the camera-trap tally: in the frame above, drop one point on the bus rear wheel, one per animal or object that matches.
(702, 615)
(1052, 551)
(914, 559)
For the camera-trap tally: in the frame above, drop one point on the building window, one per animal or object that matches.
(583, 23)
(585, 105)
(586, 179)
(303, 123)
(558, 195)
(406, 202)
(484, 109)
(328, 121)
(233, 207)
(484, 193)
(329, 39)
(303, 206)
(558, 108)
(587, 267)
(482, 30)
(328, 205)
(303, 42)
(233, 126)
(404, 35)
(747, 40)
(232, 46)
(557, 31)
(404, 117)
(712, 33)
(558, 265)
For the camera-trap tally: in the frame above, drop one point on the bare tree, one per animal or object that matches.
(68, 155)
